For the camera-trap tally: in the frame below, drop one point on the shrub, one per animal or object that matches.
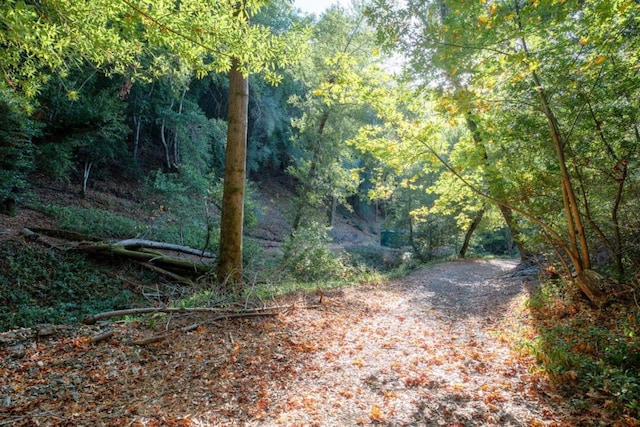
(308, 257)
(17, 130)
(586, 350)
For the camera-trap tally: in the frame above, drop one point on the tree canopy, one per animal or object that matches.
(515, 114)
(547, 91)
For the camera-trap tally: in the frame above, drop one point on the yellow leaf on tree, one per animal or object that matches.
(599, 59)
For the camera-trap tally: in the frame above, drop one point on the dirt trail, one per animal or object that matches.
(429, 349)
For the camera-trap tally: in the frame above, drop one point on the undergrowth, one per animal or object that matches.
(95, 222)
(180, 226)
(39, 285)
(590, 354)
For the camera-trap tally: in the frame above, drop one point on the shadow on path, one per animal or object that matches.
(465, 288)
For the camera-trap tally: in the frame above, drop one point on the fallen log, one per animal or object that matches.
(166, 262)
(156, 269)
(92, 320)
(151, 244)
(150, 340)
(138, 250)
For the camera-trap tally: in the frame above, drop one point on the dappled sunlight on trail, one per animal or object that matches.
(430, 349)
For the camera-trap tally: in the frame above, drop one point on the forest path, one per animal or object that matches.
(429, 349)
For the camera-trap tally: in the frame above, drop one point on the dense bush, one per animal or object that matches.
(81, 128)
(17, 131)
(308, 256)
(589, 353)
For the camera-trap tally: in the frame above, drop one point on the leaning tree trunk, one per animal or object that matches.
(472, 228)
(516, 234)
(231, 223)
(577, 249)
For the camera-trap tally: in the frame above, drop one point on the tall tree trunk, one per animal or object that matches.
(165, 144)
(176, 157)
(578, 247)
(231, 223)
(165, 140)
(467, 237)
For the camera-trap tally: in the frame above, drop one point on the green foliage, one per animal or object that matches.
(308, 258)
(270, 115)
(96, 222)
(81, 126)
(17, 131)
(45, 286)
(548, 95)
(588, 351)
(339, 74)
(377, 260)
(118, 36)
(180, 214)
(492, 242)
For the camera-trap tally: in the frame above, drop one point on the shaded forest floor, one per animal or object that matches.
(431, 349)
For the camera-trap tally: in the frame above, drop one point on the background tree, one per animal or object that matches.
(142, 42)
(528, 66)
(336, 79)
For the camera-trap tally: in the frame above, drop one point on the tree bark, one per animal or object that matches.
(467, 237)
(137, 121)
(507, 214)
(165, 141)
(231, 223)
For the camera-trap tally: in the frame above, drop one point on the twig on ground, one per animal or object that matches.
(26, 417)
(101, 337)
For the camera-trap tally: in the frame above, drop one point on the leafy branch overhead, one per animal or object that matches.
(532, 86)
(138, 39)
